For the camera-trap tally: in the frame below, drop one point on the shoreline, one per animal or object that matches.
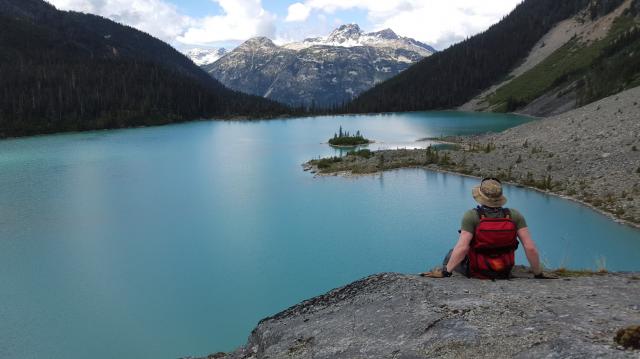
(590, 155)
(349, 146)
(350, 174)
(229, 118)
(239, 118)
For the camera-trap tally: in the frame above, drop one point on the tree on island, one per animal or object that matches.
(344, 138)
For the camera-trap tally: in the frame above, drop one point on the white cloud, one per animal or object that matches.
(298, 12)
(240, 19)
(442, 24)
(155, 17)
(378, 6)
(437, 22)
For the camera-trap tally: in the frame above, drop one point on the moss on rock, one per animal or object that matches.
(629, 337)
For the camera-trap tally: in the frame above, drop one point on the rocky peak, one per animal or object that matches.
(258, 42)
(351, 35)
(343, 64)
(345, 33)
(386, 34)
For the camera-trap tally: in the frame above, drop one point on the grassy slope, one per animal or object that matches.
(602, 68)
(453, 76)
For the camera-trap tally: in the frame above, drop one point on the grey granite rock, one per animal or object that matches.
(404, 316)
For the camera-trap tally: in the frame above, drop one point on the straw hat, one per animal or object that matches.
(489, 193)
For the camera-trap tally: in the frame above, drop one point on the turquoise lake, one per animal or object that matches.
(173, 241)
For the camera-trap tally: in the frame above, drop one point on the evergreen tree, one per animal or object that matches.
(68, 71)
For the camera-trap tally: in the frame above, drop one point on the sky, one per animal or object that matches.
(187, 24)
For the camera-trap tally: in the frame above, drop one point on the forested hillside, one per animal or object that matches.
(579, 72)
(66, 71)
(452, 77)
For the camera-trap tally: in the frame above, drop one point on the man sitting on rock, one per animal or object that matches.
(489, 238)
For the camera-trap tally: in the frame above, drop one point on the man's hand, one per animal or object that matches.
(437, 272)
(544, 275)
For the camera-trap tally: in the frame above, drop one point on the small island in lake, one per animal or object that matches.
(345, 139)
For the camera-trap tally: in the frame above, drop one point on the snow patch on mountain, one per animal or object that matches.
(318, 72)
(202, 56)
(351, 36)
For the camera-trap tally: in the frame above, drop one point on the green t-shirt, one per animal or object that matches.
(470, 219)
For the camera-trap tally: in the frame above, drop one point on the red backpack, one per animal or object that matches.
(493, 247)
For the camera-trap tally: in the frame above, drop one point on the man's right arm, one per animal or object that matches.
(530, 250)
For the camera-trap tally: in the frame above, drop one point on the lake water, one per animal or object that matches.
(173, 241)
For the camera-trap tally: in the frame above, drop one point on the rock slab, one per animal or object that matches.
(404, 316)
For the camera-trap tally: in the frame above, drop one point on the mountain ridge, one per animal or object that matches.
(452, 77)
(320, 72)
(69, 71)
(350, 35)
(596, 61)
(591, 54)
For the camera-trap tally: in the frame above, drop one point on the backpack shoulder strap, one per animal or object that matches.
(481, 212)
(507, 213)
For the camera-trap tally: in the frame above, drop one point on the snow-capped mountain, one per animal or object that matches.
(322, 71)
(202, 57)
(351, 35)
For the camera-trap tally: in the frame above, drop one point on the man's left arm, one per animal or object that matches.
(460, 251)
